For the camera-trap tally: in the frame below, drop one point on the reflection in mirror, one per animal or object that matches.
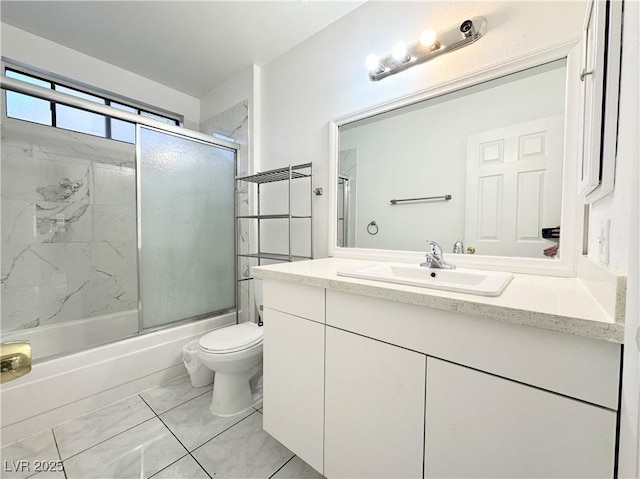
(482, 165)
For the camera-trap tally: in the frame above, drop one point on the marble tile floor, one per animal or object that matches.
(165, 432)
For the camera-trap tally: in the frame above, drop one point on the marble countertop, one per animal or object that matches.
(547, 302)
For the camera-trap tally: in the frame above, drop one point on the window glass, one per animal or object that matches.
(123, 130)
(153, 116)
(79, 94)
(79, 120)
(25, 107)
(28, 79)
(75, 119)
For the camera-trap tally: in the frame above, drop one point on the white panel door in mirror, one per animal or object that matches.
(514, 187)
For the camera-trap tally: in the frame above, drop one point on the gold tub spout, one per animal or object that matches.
(15, 360)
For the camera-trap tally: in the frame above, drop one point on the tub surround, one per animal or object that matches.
(68, 226)
(553, 303)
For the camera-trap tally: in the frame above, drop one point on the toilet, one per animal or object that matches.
(234, 353)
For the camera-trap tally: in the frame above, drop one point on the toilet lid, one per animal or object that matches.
(232, 338)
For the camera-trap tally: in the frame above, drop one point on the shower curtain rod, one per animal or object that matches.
(18, 86)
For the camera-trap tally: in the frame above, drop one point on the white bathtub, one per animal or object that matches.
(71, 336)
(60, 389)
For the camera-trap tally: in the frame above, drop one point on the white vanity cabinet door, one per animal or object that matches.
(294, 384)
(479, 425)
(374, 408)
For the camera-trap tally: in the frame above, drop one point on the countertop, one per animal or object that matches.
(547, 302)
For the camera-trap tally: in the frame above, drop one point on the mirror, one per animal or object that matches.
(482, 164)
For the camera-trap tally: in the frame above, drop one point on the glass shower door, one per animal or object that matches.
(186, 232)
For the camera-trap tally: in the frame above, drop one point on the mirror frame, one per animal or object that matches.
(572, 214)
(600, 132)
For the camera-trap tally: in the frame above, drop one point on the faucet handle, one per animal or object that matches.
(435, 247)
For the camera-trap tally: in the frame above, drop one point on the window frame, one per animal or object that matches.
(107, 97)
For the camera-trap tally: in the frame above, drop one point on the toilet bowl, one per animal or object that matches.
(234, 353)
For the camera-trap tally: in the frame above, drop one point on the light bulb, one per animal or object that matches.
(399, 52)
(373, 64)
(428, 38)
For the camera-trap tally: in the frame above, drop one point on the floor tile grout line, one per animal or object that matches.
(201, 466)
(166, 467)
(109, 438)
(173, 407)
(55, 441)
(185, 447)
(222, 432)
(152, 410)
(287, 462)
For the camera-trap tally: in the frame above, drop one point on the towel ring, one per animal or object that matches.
(370, 228)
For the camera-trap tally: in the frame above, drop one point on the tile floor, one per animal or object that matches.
(165, 432)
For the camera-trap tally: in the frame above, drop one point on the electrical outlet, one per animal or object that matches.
(604, 241)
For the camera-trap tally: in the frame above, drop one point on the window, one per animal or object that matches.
(45, 112)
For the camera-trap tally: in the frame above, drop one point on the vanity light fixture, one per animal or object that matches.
(430, 45)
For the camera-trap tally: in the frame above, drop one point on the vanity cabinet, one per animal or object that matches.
(293, 362)
(370, 387)
(480, 425)
(374, 405)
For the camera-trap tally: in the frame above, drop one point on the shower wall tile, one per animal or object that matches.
(116, 258)
(68, 222)
(56, 144)
(18, 231)
(63, 223)
(46, 304)
(234, 123)
(114, 185)
(113, 223)
(47, 263)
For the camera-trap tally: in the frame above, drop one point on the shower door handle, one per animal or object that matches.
(15, 360)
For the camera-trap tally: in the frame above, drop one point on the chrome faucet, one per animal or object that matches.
(458, 247)
(434, 259)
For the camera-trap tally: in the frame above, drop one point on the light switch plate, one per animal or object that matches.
(604, 241)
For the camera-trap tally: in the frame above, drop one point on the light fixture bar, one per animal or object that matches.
(445, 41)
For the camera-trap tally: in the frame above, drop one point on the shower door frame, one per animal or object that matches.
(14, 85)
(138, 146)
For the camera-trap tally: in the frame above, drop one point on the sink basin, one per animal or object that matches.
(471, 281)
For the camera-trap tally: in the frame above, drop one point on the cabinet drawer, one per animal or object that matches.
(575, 366)
(297, 299)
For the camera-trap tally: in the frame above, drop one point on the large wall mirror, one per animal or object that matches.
(490, 161)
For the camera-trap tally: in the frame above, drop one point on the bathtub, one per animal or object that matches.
(60, 338)
(63, 388)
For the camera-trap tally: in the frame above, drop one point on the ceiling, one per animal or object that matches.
(191, 46)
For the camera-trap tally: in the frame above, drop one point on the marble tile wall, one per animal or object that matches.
(68, 226)
(233, 124)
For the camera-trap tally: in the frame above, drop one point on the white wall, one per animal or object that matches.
(46, 55)
(233, 91)
(418, 152)
(626, 221)
(324, 77)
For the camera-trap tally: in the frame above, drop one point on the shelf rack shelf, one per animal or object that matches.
(288, 174)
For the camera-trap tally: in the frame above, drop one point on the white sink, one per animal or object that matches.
(471, 281)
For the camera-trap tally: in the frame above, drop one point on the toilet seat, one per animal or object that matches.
(231, 339)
